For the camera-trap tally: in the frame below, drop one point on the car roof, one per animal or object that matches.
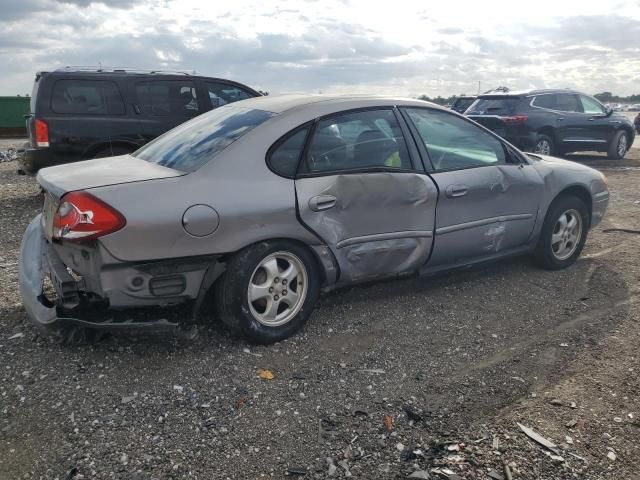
(527, 93)
(285, 103)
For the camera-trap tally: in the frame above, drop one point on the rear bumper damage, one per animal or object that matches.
(67, 304)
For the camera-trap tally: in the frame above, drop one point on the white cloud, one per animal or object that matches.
(402, 47)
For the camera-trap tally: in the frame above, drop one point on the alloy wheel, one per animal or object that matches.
(543, 147)
(622, 146)
(567, 233)
(277, 289)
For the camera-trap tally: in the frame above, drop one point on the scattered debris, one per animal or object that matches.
(556, 402)
(412, 412)
(507, 472)
(128, 399)
(332, 467)
(17, 335)
(377, 371)
(495, 475)
(564, 344)
(296, 471)
(388, 422)
(345, 466)
(571, 423)
(617, 419)
(611, 456)
(539, 439)
(265, 374)
(423, 474)
(178, 388)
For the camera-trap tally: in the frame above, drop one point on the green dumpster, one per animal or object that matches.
(12, 112)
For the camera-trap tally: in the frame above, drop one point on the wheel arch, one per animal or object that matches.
(582, 193)
(549, 131)
(97, 147)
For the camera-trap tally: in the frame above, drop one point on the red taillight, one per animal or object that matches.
(42, 133)
(515, 119)
(81, 216)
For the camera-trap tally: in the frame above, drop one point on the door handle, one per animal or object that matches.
(592, 119)
(456, 191)
(559, 119)
(322, 202)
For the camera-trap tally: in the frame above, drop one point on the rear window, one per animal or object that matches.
(461, 104)
(494, 106)
(168, 97)
(190, 145)
(89, 97)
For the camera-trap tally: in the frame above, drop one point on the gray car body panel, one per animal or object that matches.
(383, 223)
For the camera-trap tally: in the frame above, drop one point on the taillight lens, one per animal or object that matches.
(81, 216)
(515, 119)
(42, 133)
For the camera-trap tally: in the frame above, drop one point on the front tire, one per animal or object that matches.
(618, 146)
(268, 291)
(564, 233)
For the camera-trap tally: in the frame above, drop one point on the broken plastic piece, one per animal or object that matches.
(539, 439)
(265, 374)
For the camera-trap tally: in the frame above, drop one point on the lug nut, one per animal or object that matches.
(284, 281)
(270, 289)
(276, 297)
(284, 292)
(276, 280)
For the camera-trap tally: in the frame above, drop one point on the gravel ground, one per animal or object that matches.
(413, 376)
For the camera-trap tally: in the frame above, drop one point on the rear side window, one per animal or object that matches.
(567, 102)
(175, 98)
(545, 101)
(285, 155)
(90, 97)
(223, 93)
(357, 140)
(192, 144)
(494, 106)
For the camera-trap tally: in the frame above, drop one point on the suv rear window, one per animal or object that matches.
(192, 144)
(494, 106)
(92, 97)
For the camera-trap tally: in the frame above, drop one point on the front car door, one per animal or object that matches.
(488, 195)
(364, 194)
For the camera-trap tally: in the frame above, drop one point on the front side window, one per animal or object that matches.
(567, 102)
(91, 97)
(175, 98)
(454, 143)
(357, 140)
(589, 105)
(222, 93)
(285, 156)
(192, 144)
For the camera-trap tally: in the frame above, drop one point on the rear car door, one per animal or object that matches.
(488, 198)
(362, 192)
(570, 122)
(164, 104)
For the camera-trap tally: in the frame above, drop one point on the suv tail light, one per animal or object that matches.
(81, 216)
(42, 133)
(515, 119)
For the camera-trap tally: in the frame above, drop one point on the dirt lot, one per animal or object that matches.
(413, 376)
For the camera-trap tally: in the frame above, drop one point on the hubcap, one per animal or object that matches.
(566, 235)
(277, 289)
(622, 145)
(543, 147)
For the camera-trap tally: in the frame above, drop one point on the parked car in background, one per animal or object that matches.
(273, 199)
(77, 114)
(460, 104)
(554, 122)
(636, 123)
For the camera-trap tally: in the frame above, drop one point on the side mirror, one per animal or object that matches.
(608, 111)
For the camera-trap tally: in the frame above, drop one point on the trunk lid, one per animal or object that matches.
(101, 172)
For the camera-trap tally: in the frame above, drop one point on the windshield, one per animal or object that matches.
(192, 144)
(493, 106)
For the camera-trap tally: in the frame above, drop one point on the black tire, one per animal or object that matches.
(545, 254)
(112, 152)
(231, 292)
(542, 143)
(619, 146)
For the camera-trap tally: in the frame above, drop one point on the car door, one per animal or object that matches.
(598, 126)
(571, 126)
(164, 104)
(488, 196)
(362, 192)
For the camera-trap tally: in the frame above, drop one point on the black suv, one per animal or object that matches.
(554, 122)
(78, 114)
(460, 104)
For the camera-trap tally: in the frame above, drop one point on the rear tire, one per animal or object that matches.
(618, 146)
(268, 291)
(564, 233)
(544, 145)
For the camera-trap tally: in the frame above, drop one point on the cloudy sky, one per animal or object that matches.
(398, 47)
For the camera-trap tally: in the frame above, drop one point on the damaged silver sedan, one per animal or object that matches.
(258, 206)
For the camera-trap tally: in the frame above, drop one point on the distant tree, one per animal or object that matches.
(604, 97)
